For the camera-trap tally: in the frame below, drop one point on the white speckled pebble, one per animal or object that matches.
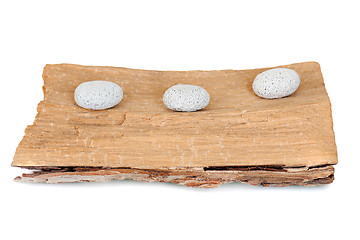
(98, 95)
(186, 98)
(276, 83)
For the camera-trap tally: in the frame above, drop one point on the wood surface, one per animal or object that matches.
(236, 129)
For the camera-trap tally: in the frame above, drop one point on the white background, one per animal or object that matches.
(183, 35)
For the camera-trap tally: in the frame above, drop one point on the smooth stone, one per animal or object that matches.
(186, 98)
(98, 95)
(276, 83)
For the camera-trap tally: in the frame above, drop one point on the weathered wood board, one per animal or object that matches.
(237, 130)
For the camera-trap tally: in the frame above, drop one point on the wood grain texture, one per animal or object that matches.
(236, 129)
(190, 177)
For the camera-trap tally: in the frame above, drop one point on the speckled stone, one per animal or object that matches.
(186, 98)
(276, 83)
(98, 95)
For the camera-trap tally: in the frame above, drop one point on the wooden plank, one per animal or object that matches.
(237, 131)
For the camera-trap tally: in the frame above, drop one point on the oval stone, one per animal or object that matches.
(186, 98)
(98, 95)
(276, 83)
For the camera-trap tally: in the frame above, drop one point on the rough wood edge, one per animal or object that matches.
(190, 177)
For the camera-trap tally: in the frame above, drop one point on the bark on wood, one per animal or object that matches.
(190, 177)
